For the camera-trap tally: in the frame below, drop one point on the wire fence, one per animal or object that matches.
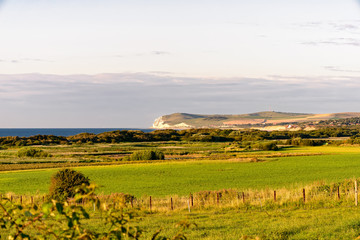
(316, 195)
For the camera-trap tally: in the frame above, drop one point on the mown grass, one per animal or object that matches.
(181, 178)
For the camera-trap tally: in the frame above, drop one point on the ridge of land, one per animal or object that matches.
(267, 120)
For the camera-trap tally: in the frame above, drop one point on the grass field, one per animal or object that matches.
(180, 178)
(321, 217)
(337, 223)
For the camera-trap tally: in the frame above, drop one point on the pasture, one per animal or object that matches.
(335, 223)
(292, 167)
(195, 167)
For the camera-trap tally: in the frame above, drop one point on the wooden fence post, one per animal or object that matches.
(274, 196)
(150, 204)
(132, 202)
(192, 199)
(217, 198)
(356, 193)
(171, 204)
(338, 192)
(21, 200)
(243, 197)
(32, 200)
(304, 198)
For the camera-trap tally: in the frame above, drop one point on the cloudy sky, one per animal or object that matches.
(111, 63)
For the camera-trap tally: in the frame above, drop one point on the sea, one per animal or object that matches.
(65, 132)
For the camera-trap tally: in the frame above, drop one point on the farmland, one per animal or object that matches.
(216, 174)
(179, 177)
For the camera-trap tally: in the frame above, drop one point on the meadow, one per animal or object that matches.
(335, 223)
(180, 177)
(200, 167)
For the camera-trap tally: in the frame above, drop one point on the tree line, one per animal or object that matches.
(192, 135)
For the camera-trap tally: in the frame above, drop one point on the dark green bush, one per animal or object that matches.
(65, 183)
(32, 152)
(267, 146)
(271, 146)
(305, 142)
(147, 155)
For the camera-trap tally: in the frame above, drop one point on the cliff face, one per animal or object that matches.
(160, 123)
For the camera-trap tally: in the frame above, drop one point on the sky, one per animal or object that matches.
(110, 63)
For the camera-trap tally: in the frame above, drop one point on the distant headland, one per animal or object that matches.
(267, 120)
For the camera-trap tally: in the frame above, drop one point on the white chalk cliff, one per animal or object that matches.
(159, 123)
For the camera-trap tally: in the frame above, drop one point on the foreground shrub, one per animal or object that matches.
(147, 155)
(61, 220)
(32, 152)
(64, 184)
(122, 198)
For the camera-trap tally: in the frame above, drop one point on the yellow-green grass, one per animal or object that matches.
(327, 149)
(181, 178)
(333, 223)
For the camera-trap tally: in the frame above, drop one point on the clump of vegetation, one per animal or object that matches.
(269, 146)
(305, 142)
(147, 155)
(65, 183)
(60, 220)
(33, 153)
(122, 198)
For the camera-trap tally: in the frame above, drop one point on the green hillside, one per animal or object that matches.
(258, 119)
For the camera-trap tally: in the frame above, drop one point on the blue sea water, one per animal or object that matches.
(27, 132)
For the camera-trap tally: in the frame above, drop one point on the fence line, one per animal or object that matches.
(323, 195)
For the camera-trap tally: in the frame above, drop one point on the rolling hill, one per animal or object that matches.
(268, 120)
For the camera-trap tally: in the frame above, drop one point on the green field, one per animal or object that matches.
(182, 177)
(310, 224)
(196, 167)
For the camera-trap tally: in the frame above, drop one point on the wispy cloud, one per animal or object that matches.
(343, 26)
(336, 42)
(338, 69)
(349, 29)
(160, 53)
(20, 60)
(143, 54)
